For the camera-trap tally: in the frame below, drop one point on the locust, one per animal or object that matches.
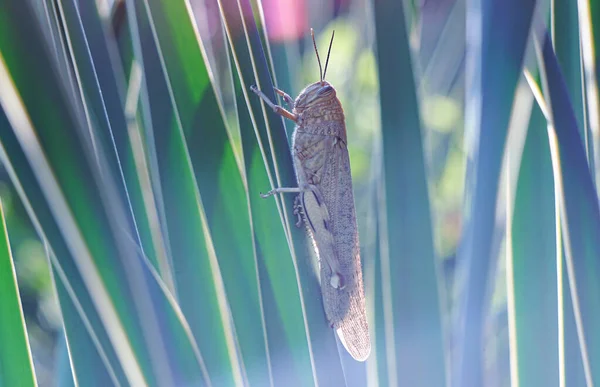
(325, 203)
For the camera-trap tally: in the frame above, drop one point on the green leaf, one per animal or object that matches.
(76, 208)
(533, 302)
(98, 367)
(568, 36)
(51, 108)
(579, 213)
(16, 364)
(102, 80)
(198, 283)
(25, 182)
(374, 276)
(63, 374)
(502, 28)
(574, 373)
(565, 37)
(409, 282)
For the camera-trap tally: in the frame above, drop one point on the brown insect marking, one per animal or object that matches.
(302, 155)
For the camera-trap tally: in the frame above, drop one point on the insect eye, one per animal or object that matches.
(325, 89)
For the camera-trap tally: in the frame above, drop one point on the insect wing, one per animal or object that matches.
(353, 329)
(330, 215)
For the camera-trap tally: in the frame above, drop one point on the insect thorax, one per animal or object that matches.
(325, 117)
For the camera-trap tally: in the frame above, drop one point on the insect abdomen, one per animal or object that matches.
(322, 160)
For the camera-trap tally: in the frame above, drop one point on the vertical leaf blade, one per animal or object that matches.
(580, 214)
(533, 246)
(195, 267)
(499, 30)
(16, 363)
(409, 280)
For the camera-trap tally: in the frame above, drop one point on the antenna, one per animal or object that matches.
(328, 52)
(312, 33)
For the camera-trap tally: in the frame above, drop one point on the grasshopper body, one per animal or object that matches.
(326, 203)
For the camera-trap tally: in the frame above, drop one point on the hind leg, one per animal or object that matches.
(299, 210)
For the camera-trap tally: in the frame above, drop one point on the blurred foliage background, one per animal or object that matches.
(473, 131)
(438, 45)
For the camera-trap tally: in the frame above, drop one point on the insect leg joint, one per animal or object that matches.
(276, 108)
(286, 97)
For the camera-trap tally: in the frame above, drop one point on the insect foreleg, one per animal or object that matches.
(276, 108)
(304, 188)
(283, 190)
(285, 97)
